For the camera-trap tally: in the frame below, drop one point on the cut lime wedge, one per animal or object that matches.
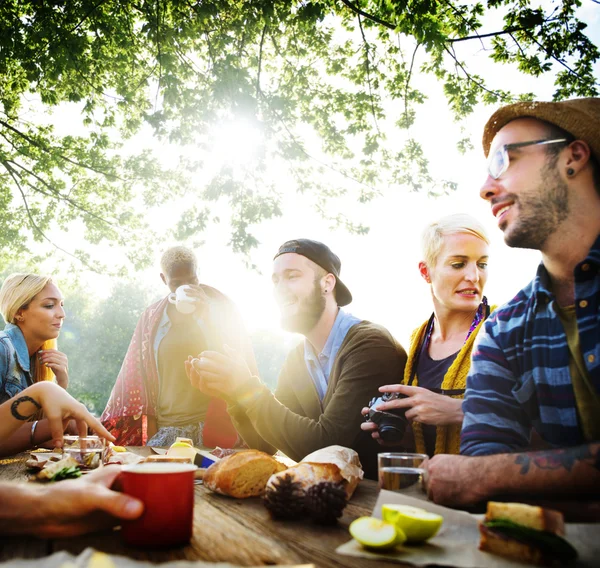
(375, 533)
(417, 524)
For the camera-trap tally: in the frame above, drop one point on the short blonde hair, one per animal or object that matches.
(435, 233)
(16, 293)
(177, 255)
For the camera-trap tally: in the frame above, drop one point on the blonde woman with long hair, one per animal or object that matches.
(32, 307)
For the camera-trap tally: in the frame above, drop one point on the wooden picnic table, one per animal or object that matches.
(239, 531)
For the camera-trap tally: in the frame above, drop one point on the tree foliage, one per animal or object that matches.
(338, 72)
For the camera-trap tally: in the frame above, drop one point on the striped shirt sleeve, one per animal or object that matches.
(494, 421)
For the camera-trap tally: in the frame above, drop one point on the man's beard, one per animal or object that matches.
(309, 313)
(540, 211)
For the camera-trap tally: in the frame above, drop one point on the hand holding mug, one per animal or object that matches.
(189, 298)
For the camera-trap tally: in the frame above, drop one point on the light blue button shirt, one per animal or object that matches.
(319, 366)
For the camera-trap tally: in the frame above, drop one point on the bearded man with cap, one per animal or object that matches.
(536, 367)
(325, 381)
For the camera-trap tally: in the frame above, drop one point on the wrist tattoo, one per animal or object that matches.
(562, 458)
(15, 405)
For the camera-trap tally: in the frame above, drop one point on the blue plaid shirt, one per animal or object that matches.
(519, 376)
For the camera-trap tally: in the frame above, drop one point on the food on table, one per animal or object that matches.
(120, 456)
(182, 449)
(222, 452)
(242, 474)
(417, 524)
(72, 472)
(526, 533)
(51, 468)
(315, 486)
(375, 533)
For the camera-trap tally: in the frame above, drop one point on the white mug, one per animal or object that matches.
(185, 304)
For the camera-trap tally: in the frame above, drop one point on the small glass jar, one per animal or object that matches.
(88, 452)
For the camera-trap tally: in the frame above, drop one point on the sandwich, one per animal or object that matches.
(533, 535)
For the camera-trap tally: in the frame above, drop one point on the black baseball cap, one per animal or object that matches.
(320, 254)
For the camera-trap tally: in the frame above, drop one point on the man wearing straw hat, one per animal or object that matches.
(537, 366)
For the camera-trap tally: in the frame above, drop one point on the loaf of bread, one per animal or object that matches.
(334, 464)
(243, 474)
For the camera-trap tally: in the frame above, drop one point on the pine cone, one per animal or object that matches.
(285, 498)
(325, 502)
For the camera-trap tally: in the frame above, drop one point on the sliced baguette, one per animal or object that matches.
(243, 474)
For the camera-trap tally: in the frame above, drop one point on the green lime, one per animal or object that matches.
(375, 533)
(417, 524)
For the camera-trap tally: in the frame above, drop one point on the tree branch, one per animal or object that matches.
(34, 224)
(492, 34)
(407, 84)
(260, 54)
(60, 155)
(55, 193)
(364, 14)
(368, 70)
(468, 76)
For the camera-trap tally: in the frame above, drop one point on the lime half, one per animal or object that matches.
(375, 533)
(417, 524)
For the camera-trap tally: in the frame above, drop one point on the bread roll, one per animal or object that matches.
(243, 474)
(335, 464)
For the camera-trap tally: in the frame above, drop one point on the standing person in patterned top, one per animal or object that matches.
(537, 365)
(152, 401)
(454, 265)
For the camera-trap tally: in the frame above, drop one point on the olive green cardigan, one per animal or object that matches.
(296, 422)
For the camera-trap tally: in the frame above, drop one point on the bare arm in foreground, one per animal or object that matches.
(466, 480)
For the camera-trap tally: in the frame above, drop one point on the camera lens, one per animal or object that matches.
(391, 433)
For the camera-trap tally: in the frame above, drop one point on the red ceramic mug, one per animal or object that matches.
(167, 491)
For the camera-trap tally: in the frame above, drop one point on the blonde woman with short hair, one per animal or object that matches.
(32, 307)
(455, 253)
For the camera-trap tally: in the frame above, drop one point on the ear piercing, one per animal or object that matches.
(570, 171)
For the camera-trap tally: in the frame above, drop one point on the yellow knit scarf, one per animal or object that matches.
(447, 439)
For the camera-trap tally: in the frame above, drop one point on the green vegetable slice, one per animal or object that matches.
(66, 473)
(549, 542)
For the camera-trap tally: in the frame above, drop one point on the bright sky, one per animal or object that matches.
(380, 268)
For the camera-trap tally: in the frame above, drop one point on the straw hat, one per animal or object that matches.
(579, 117)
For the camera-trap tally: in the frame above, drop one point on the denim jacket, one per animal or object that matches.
(15, 364)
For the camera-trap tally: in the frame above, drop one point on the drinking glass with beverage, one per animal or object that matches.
(399, 471)
(87, 451)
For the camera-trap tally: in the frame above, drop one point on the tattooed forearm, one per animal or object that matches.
(560, 459)
(14, 407)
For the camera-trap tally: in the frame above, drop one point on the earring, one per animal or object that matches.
(570, 171)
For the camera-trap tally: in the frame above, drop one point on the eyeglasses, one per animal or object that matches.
(499, 161)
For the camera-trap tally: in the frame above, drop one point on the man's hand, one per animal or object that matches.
(424, 406)
(213, 372)
(69, 508)
(456, 480)
(58, 362)
(407, 441)
(199, 295)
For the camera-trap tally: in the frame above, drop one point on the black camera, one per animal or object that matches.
(392, 422)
